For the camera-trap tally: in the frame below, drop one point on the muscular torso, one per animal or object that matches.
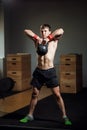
(46, 61)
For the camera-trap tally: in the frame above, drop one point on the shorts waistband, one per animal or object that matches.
(45, 69)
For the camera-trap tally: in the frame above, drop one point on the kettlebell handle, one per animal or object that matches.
(44, 42)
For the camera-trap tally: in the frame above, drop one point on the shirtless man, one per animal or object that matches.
(45, 71)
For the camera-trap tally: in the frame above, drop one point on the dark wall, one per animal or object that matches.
(70, 15)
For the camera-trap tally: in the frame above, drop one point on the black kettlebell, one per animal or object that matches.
(42, 49)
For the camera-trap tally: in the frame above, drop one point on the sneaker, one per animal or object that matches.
(67, 121)
(26, 119)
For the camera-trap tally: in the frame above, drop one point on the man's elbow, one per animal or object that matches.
(61, 31)
(25, 31)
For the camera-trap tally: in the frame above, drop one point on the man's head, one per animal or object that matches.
(45, 30)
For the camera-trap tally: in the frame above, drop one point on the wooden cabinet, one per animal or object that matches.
(18, 67)
(70, 73)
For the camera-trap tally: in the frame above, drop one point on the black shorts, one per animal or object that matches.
(47, 77)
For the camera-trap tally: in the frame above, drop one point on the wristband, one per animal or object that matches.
(50, 37)
(35, 37)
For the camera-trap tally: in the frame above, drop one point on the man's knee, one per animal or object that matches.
(34, 95)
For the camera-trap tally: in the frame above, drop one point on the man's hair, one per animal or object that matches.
(44, 26)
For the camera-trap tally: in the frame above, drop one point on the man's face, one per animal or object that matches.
(45, 32)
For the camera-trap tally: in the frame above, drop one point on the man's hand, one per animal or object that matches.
(39, 40)
(45, 41)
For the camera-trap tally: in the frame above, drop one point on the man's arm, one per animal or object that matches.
(32, 35)
(56, 35)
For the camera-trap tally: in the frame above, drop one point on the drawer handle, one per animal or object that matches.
(67, 59)
(67, 64)
(14, 63)
(67, 73)
(67, 86)
(13, 58)
(13, 72)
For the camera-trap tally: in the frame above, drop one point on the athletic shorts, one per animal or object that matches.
(44, 77)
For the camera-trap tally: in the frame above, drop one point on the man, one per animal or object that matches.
(45, 71)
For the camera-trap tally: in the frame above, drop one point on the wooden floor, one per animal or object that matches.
(20, 100)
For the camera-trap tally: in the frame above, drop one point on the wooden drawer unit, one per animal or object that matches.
(70, 73)
(19, 68)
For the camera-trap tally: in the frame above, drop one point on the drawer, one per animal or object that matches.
(67, 67)
(66, 59)
(71, 75)
(67, 75)
(14, 58)
(68, 81)
(15, 65)
(18, 57)
(70, 87)
(70, 67)
(18, 74)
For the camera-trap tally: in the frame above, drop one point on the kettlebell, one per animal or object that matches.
(42, 49)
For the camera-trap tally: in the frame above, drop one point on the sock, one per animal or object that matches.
(30, 116)
(64, 117)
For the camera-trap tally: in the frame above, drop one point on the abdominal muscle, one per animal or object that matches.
(44, 62)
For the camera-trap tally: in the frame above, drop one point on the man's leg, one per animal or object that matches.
(33, 104)
(60, 102)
